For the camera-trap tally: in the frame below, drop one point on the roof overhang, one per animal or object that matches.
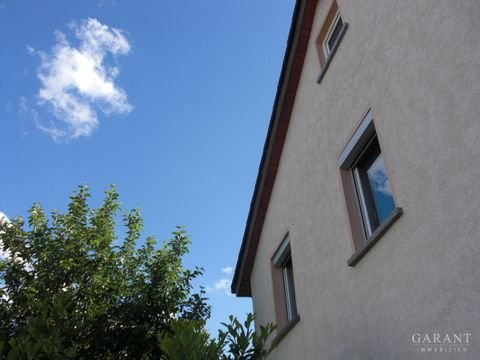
(282, 109)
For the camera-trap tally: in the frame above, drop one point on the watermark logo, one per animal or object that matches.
(442, 342)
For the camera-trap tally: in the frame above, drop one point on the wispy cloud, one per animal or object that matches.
(28, 111)
(222, 285)
(227, 270)
(30, 50)
(103, 2)
(76, 81)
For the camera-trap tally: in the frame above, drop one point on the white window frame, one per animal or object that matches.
(280, 260)
(363, 203)
(326, 49)
(359, 188)
(289, 290)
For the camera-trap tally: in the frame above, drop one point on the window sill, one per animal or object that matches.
(332, 54)
(286, 329)
(377, 234)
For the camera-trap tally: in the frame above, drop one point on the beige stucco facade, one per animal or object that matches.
(416, 65)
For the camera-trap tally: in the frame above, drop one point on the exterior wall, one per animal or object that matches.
(417, 65)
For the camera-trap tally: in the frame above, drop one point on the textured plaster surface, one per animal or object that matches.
(416, 64)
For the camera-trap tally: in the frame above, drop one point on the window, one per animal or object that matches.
(289, 289)
(373, 187)
(331, 33)
(284, 288)
(332, 37)
(370, 202)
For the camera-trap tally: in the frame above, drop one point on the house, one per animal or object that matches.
(362, 240)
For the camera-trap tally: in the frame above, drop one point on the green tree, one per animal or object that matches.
(189, 340)
(69, 288)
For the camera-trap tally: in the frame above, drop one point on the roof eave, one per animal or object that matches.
(293, 60)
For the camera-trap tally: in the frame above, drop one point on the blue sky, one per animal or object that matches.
(169, 100)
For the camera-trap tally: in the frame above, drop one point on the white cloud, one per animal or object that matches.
(227, 270)
(76, 81)
(378, 175)
(222, 284)
(51, 128)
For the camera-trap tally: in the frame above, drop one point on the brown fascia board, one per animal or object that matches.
(298, 38)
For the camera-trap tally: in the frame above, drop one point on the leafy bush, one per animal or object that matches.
(190, 341)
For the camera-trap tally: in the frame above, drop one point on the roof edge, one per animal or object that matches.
(293, 60)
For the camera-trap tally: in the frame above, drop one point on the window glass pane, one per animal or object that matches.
(365, 190)
(380, 186)
(289, 288)
(334, 35)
